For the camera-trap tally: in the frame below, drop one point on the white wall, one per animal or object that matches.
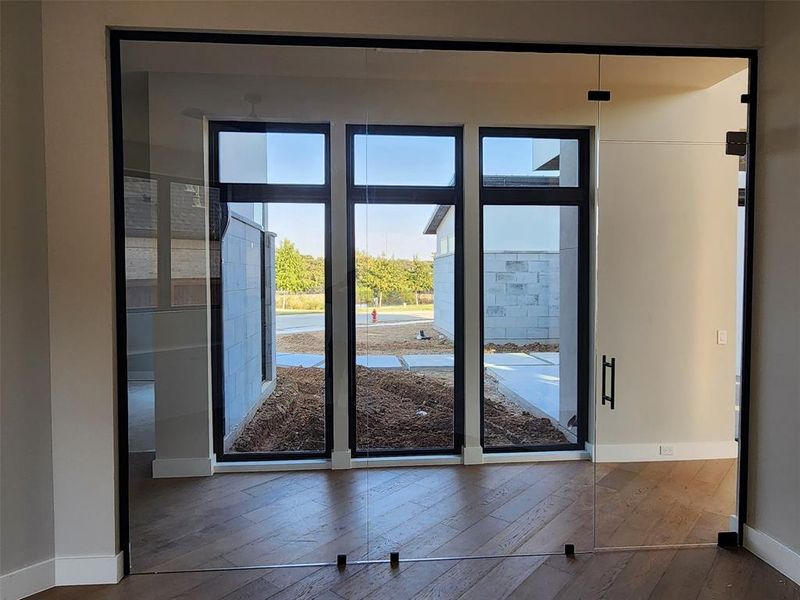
(26, 468)
(774, 480)
(79, 190)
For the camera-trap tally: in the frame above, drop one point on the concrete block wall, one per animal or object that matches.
(521, 296)
(443, 294)
(241, 314)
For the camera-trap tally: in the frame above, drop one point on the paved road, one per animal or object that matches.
(308, 322)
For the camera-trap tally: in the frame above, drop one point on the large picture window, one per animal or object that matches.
(271, 323)
(404, 199)
(534, 304)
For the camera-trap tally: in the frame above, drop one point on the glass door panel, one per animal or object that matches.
(233, 172)
(666, 363)
(500, 502)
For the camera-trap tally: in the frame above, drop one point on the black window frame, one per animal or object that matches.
(395, 194)
(265, 193)
(579, 197)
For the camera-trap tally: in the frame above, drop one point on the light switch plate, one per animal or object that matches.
(722, 336)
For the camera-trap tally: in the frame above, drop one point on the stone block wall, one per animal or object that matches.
(443, 298)
(242, 321)
(521, 297)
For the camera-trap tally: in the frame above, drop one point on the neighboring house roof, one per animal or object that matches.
(436, 219)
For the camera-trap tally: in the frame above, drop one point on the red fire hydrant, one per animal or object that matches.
(374, 315)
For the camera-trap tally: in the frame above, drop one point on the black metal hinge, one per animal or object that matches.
(736, 143)
(598, 96)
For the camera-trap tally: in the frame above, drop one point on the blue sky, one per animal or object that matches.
(379, 160)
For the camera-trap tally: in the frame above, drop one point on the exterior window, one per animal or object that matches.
(516, 161)
(534, 268)
(404, 160)
(272, 333)
(272, 157)
(404, 200)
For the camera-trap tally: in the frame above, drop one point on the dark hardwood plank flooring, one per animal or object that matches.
(236, 520)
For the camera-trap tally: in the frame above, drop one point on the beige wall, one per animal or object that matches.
(79, 192)
(774, 498)
(666, 264)
(26, 491)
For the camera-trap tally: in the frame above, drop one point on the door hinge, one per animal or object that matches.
(736, 143)
(598, 96)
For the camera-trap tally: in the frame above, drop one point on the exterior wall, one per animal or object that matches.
(241, 315)
(443, 298)
(521, 297)
(444, 276)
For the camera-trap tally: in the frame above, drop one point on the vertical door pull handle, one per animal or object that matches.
(612, 364)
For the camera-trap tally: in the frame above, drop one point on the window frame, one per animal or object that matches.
(545, 196)
(265, 193)
(268, 192)
(392, 194)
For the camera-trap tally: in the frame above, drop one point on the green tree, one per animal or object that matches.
(419, 274)
(380, 274)
(291, 270)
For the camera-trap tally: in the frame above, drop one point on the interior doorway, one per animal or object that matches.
(646, 229)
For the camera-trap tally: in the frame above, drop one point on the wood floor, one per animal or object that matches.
(706, 573)
(264, 519)
(241, 520)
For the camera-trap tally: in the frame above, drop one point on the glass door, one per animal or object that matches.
(665, 443)
(477, 475)
(234, 192)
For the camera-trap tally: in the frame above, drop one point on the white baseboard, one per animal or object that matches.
(651, 452)
(89, 570)
(473, 455)
(405, 461)
(531, 457)
(182, 467)
(267, 466)
(773, 552)
(28, 580)
(64, 570)
(340, 459)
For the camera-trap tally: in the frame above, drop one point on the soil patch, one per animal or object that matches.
(292, 418)
(395, 409)
(374, 339)
(532, 347)
(508, 424)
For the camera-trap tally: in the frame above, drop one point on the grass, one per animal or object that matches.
(396, 309)
(400, 308)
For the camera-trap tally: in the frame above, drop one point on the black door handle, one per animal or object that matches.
(613, 366)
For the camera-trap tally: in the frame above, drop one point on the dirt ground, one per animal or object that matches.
(374, 339)
(532, 347)
(395, 409)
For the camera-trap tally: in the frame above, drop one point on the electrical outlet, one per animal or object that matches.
(722, 336)
(666, 450)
